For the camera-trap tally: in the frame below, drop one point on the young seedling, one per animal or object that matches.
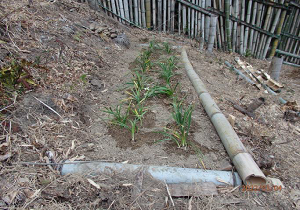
(167, 69)
(167, 47)
(119, 118)
(167, 90)
(139, 111)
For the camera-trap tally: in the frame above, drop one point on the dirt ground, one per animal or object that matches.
(80, 73)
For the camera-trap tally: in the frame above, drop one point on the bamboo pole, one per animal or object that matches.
(104, 4)
(131, 11)
(219, 40)
(207, 21)
(122, 10)
(248, 21)
(202, 27)
(189, 21)
(109, 7)
(179, 18)
(221, 22)
(169, 14)
(192, 21)
(212, 33)
(252, 23)
(172, 16)
(184, 23)
(258, 35)
(227, 25)
(234, 33)
(148, 14)
(242, 51)
(136, 13)
(113, 5)
(248, 170)
(140, 13)
(154, 14)
(274, 24)
(159, 14)
(126, 9)
(143, 13)
(165, 16)
(258, 21)
(199, 20)
(295, 30)
(287, 29)
(118, 11)
(196, 20)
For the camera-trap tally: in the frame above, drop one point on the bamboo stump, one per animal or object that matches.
(275, 67)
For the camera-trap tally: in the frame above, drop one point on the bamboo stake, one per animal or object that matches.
(143, 9)
(247, 28)
(287, 29)
(172, 15)
(136, 13)
(169, 14)
(131, 11)
(121, 9)
(179, 18)
(207, 21)
(165, 16)
(234, 33)
(274, 24)
(154, 13)
(212, 33)
(252, 23)
(184, 24)
(192, 21)
(148, 14)
(109, 7)
(227, 25)
(126, 8)
(159, 15)
(113, 5)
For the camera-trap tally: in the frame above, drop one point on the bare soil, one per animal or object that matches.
(55, 34)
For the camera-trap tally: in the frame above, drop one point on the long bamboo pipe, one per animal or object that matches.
(248, 170)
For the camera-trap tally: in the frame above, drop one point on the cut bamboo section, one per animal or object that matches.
(159, 15)
(154, 14)
(148, 14)
(248, 170)
(212, 33)
(143, 9)
(136, 13)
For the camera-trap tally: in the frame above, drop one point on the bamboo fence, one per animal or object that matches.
(248, 27)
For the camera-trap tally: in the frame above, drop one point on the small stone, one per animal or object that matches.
(113, 35)
(93, 26)
(272, 156)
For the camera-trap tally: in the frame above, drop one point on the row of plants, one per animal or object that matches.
(129, 114)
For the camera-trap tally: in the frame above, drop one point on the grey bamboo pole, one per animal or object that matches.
(252, 23)
(234, 33)
(169, 14)
(126, 9)
(173, 16)
(242, 51)
(287, 29)
(184, 22)
(154, 14)
(159, 14)
(189, 21)
(207, 21)
(109, 7)
(248, 170)
(202, 27)
(140, 13)
(258, 34)
(104, 4)
(248, 21)
(179, 18)
(219, 40)
(113, 5)
(121, 7)
(165, 15)
(143, 13)
(212, 33)
(222, 28)
(148, 14)
(227, 25)
(136, 13)
(274, 24)
(131, 11)
(118, 10)
(258, 21)
(196, 20)
(294, 31)
(192, 21)
(199, 21)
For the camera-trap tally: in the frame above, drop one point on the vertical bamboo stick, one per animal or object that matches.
(287, 46)
(196, 20)
(126, 9)
(184, 24)
(252, 23)
(118, 9)
(172, 15)
(192, 21)
(248, 21)
(189, 21)
(274, 24)
(109, 7)
(131, 11)
(104, 4)
(143, 9)
(148, 14)
(136, 13)
(227, 25)
(199, 20)
(286, 29)
(202, 27)
(140, 12)
(179, 18)
(212, 33)
(113, 5)
(165, 16)
(154, 14)
(242, 51)
(234, 33)
(121, 9)
(218, 36)
(258, 24)
(159, 15)
(221, 6)
(207, 21)
(169, 14)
